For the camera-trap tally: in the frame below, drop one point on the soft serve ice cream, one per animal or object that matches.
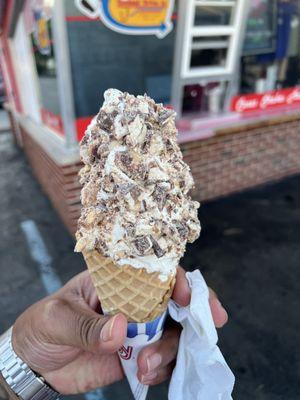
(136, 207)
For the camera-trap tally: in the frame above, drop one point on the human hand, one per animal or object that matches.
(65, 339)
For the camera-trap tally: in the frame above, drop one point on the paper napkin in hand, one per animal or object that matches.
(201, 372)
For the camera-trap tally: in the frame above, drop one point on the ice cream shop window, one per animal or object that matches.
(39, 18)
(208, 57)
(272, 50)
(228, 48)
(206, 14)
(136, 62)
(270, 62)
(207, 54)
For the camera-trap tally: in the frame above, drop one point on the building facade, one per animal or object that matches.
(230, 68)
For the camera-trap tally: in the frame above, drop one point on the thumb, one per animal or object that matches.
(79, 326)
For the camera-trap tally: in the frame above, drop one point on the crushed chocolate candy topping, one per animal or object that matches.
(135, 192)
(159, 252)
(108, 184)
(182, 229)
(164, 115)
(84, 140)
(143, 244)
(160, 195)
(95, 151)
(130, 230)
(135, 182)
(105, 121)
(103, 151)
(143, 206)
(101, 244)
(125, 159)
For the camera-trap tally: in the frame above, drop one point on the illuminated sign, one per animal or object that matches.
(131, 17)
(266, 101)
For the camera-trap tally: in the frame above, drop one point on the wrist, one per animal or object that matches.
(19, 377)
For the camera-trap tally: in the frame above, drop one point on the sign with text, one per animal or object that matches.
(266, 101)
(52, 121)
(131, 17)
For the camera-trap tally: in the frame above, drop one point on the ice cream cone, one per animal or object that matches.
(139, 295)
(135, 208)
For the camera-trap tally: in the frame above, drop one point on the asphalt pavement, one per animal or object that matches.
(248, 251)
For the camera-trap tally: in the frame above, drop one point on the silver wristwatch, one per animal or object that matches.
(19, 377)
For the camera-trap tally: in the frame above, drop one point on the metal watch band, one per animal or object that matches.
(19, 377)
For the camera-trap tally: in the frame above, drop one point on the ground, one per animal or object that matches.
(248, 251)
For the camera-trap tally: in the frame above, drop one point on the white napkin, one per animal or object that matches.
(201, 372)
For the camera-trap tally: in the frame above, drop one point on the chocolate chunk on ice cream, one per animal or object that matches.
(136, 206)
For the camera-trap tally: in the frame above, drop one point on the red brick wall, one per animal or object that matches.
(60, 183)
(249, 156)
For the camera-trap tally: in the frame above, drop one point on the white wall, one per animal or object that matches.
(25, 71)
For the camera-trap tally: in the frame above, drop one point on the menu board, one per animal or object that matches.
(261, 27)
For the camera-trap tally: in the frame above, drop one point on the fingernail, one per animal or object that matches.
(106, 332)
(154, 361)
(146, 379)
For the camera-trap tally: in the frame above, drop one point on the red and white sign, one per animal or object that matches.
(266, 101)
(53, 121)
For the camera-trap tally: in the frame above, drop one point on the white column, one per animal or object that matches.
(64, 73)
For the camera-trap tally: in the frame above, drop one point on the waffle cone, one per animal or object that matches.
(138, 295)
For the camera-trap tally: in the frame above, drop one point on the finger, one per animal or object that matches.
(219, 313)
(182, 292)
(157, 377)
(79, 326)
(182, 296)
(161, 353)
(81, 288)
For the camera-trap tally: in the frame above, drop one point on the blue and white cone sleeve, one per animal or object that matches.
(139, 335)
